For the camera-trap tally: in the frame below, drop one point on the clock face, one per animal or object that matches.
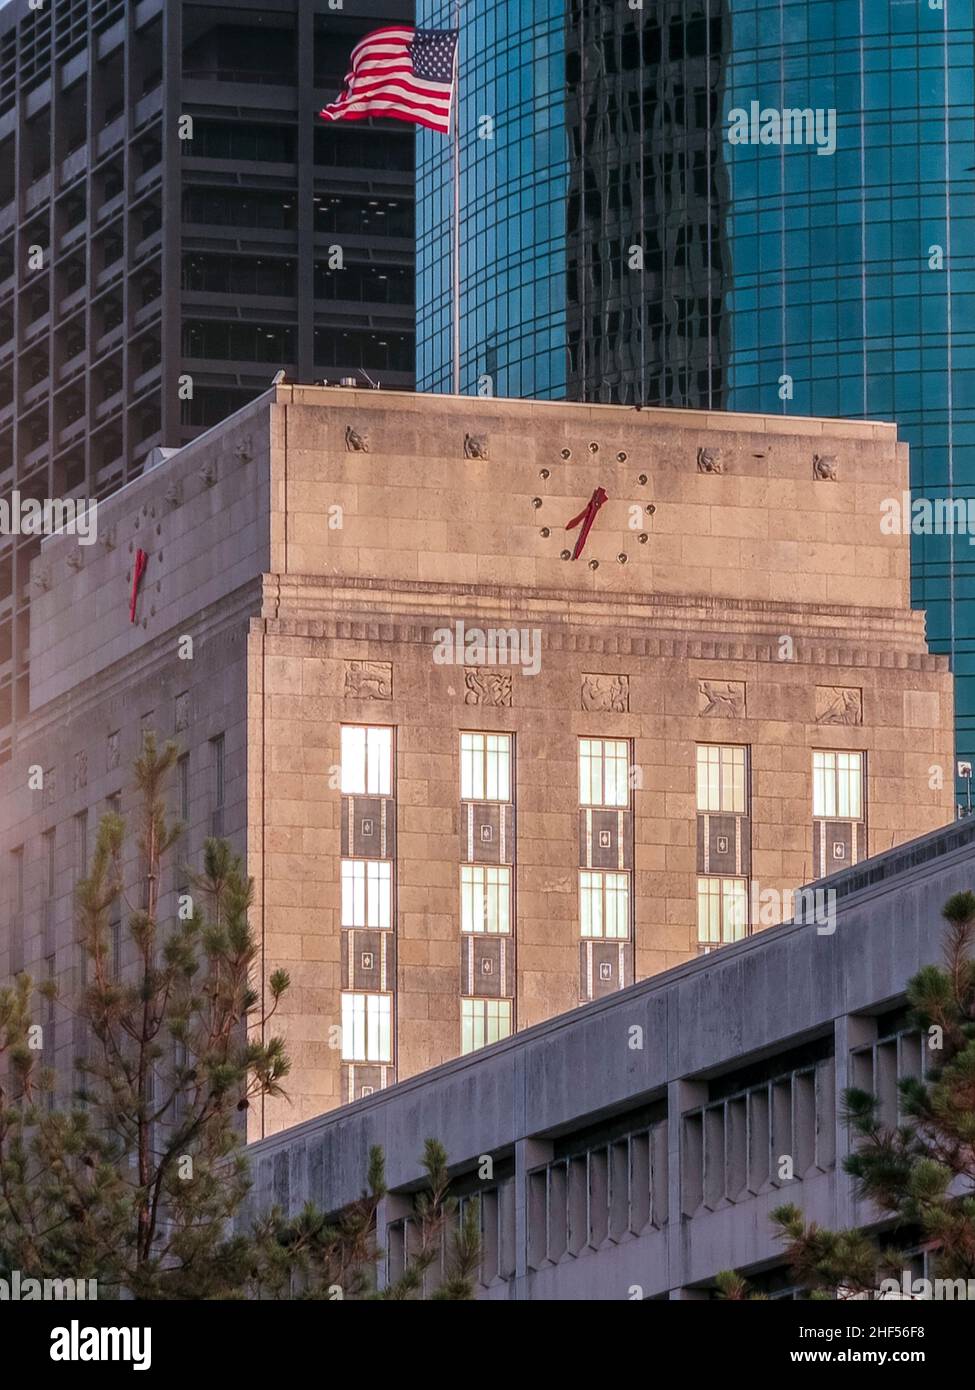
(572, 534)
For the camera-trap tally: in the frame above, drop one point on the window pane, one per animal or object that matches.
(722, 910)
(604, 772)
(379, 762)
(604, 904)
(483, 1021)
(367, 760)
(467, 764)
(353, 760)
(617, 905)
(590, 904)
(353, 893)
(838, 785)
(366, 1027)
(367, 893)
(819, 785)
(485, 767)
(379, 883)
(485, 894)
(721, 779)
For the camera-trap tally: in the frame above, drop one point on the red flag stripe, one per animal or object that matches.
(379, 36)
(382, 82)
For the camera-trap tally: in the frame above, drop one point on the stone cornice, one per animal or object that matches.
(682, 626)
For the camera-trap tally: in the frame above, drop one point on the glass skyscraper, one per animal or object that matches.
(636, 227)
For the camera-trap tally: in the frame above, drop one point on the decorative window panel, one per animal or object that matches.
(368, 960)
(362, 1079)
(724, 845)
(368, 827)
(488, 830)
(606, 966)
(837, 845)
(605, 839)
(485, 967)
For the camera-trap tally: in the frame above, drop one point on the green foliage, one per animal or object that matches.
(920, 1172)
(437, 1237)
(140, 1180)
(732, 1287)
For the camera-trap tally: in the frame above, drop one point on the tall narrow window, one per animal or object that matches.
(50, 864)
(17, 910)
(50, 1023)
(605, 865)
(723, 844)
(183, 788)
(218, 787)
(839, 806)
(48, 906)
(368, 906)
(81, 845)
(181, 848)
(179, 1089)
(367, 893)
(487, 908)
(17, 880)
(115, 939)
(50, 974)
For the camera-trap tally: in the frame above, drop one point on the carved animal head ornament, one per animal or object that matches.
(710, 461)
(475, 446)
(824, 468)
(356, 441)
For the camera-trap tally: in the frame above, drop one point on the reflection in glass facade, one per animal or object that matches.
(514, 183)
(774, 278)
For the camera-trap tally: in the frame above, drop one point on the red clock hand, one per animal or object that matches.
(139, 569)
(587, 517)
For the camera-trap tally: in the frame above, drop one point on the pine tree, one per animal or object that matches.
(920, 1172)
(440, 1235)
(140, 1180)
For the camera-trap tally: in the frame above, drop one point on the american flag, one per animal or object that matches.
(406, 74)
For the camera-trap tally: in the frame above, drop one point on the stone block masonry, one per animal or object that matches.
(477, 783)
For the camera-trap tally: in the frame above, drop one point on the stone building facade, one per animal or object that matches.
(607, 1148)
(483, 767)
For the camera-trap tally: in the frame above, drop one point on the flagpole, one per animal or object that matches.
(455, 251)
